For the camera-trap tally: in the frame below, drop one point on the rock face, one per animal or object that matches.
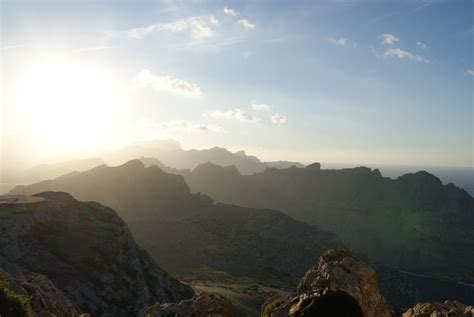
(202, 305)
(342, 270)
(186, 232)
(340, 284)
(87, 252)
(33, 295)
(446, 309)
(414, 222)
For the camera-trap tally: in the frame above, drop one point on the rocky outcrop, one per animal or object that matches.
(342, 270)
(413, 223)
(33, 295)
(340, 284)
(202, 305)
(186, 232)
(447, 309)
(87, 252)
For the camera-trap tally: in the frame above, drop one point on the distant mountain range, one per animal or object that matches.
(193, 237)
(186, 231)
(413, 223)
(171, 154)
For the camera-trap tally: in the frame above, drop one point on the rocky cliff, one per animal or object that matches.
(413, 223)
(341, 284)
(87, 252)
(186, 231)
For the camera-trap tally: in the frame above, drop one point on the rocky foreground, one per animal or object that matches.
(341, 284)
(60, 248)
(62, 257)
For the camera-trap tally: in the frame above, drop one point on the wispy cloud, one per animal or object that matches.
(260, 106)
(246, 24)
(185, 125)
(152, 127)
(342, 41)
(421, 45)
(235, 114)
(11, 47)
(230, 12)
(91, 49)
(165, 83)
(199, 27)
(339, 41)
(469, 72)
(389, 39)
(399, 53)
(278, 119)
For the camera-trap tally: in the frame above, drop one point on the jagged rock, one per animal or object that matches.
(342, 270)
(202, 305)
(87, 252)
(447, 309)
(35, 294)
(326, 303)
(262, 244)
(340, 284)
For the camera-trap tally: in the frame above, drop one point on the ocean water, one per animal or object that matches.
(462, 177)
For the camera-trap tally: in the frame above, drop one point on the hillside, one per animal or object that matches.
(87, 252)
(414, 222)
(188, 232)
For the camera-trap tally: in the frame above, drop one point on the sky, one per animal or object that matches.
(386, 82)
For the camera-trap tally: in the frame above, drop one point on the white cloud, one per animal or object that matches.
(230, 12)
(278, 119)
(185, 125)
(10, 47)
(246, 24)
(91, 49)
(165, 83)
(150, 127)
(342, 41)
(469, 72)
(199, 27)
(399, 53)
(389, 39)
(236, 114)
(339, 41)
(421, 44)
(260, 106)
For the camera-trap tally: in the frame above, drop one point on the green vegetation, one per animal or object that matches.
(271, 307)
(12, 304)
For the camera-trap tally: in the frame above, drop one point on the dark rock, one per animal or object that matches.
(202, 305)
(87, 252)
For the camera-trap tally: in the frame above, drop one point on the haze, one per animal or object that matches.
(373, 82)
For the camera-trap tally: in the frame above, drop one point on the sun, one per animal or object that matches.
(67, 103)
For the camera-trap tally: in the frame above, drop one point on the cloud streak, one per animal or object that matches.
(259, 106)
(230, 12)
(278, 119)
(389, 39)
(469, 72)
(199, 27)
(165, 83)
(184, 125)
(235, 114)
(401, 54)
(246, 24)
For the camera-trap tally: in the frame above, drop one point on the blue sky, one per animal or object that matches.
(387, 82)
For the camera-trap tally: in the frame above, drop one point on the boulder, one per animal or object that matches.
(343, 270)
(447, 309)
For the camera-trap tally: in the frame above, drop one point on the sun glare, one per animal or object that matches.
(66, 103)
